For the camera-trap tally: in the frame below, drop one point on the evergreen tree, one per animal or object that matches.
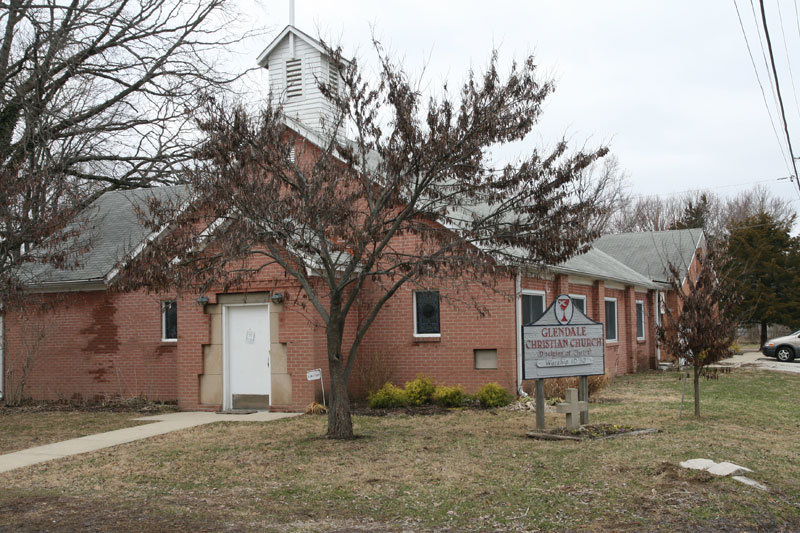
(765, 270)
(695, 214)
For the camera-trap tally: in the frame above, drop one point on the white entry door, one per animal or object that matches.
(247, 357)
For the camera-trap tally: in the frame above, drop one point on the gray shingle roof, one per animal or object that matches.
(650, 252)
(111, 228)
(595, 263)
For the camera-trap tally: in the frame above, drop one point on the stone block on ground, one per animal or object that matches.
(727, 469)
(698, 464)
(750, 482)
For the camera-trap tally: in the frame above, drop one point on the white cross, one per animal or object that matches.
(572, 407)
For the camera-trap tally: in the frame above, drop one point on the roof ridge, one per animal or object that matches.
(649, 232)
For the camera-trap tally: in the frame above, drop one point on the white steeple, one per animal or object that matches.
(297, 65)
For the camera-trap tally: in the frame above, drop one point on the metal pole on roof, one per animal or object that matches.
(291, 23)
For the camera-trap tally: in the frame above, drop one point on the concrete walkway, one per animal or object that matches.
(161, 424)
(761, 362)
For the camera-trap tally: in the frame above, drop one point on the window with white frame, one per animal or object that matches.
(532, 306)
(579, 302)
(640, 320)
(426, 314)
(611, 319)
(169, 320)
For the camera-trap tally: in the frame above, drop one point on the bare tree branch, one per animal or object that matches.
(95, 95)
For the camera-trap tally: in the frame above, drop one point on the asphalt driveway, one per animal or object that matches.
(760, 361)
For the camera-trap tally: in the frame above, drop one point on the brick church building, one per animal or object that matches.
(252, 348)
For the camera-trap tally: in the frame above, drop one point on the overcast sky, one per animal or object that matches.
(668, 85)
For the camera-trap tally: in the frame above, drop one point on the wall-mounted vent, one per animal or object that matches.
(333, 78)
(292, 155)
(485, 359)
(294, 78)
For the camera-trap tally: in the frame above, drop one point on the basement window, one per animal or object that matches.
(169, 321)
(426, 314)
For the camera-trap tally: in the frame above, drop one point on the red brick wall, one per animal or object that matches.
(100, 344)
(448, 359)
(93, 345)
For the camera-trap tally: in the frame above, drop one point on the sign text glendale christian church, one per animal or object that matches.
(563, 342)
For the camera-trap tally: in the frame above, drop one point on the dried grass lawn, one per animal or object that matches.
(465, 470)
(22, 428)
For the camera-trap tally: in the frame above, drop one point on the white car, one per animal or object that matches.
(783, 348)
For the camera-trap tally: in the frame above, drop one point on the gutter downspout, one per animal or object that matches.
(518, 329)
(658, 323)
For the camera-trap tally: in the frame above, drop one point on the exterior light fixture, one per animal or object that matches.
(203, 300)
(277, 297)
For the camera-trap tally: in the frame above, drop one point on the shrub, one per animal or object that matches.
(493, 395)
(449, 396)
(596, 383)
(316, 408)
(371, 372)
(388, 396)
(557, 387)
(420, 391)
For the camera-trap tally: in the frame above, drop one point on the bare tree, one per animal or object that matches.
(94, 94)
(410, 200)
(754, 202)
(35, 331)
(646, 213)
(715, 214)
(602, 184)
(703, 327)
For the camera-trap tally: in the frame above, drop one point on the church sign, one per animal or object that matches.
(564, 342)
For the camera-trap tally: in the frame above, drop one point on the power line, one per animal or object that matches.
(761, 85)
(778, 90)
(759, 32)
(788, 62)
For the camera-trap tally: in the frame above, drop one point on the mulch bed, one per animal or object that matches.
(589, 432)
(134, 405)
(365, 410)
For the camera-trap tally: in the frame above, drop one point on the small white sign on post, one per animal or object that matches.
(316, 374)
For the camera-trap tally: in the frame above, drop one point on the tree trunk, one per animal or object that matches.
(763, 334)
(340, 424)
(697, 391)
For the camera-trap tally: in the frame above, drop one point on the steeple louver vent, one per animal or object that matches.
(294, 78)
(333, 78)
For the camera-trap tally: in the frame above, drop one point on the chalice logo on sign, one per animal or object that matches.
(564, 309)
